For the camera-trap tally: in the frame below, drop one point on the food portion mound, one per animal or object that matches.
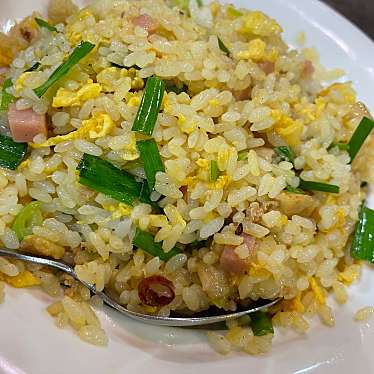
(180, 156)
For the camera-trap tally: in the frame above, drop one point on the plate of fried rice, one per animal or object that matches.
(183, 155)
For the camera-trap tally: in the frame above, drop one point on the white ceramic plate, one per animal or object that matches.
(30, 343)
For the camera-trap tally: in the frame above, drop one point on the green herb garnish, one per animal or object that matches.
(102, 176)
(149, 108)
(298, 191)
(36, 66)
(285, 153)
(146, 242)
(318, 186)
(233, 12)
(243, 155)
(45, 24)
(151, 159)
(11, 153)
(29, 217)
(200, 3)
(213, 171)
(363, 241)
(359, 136)
(81, 51)
(222, 46)
(261, 323)
(6, 98)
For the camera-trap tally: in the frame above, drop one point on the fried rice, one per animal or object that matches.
(244, 235)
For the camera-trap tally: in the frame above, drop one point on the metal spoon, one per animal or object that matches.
(175, 320)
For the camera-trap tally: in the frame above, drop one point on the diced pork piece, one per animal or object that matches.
(291, 204)
(267, 67)
(308, 69)
(26, 124)
(232, 263)
(145, 21)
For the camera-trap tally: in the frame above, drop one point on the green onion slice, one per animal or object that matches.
(359, 136)
(36, 66)
(285, 153)
(150, 156)
(149, 108)
(243, 155)
(146, 242)
(261, 323)
(317, 186)
(29, 217)
(11, 153)
(341, 146)
(45, 24)
(295, 190)
(200, 3)
(213, 175)
(81, 51)
(222, 46)
(6, 98)
(363, 241)
(102, 176)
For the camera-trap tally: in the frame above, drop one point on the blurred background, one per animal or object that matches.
(360, 12)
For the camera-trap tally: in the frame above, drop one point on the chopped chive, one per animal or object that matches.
(29, 216)
(222, 46)
(6, 98)
(200, 3)
(317, 186)
(176, 88)
(341, 146)
(11, 153)
(82, 50)
(36, 66)
(261, 323)
(197, 244)
(151, 159)
(359, 136)
(243, 155)
(45, 24)
(149, 108)
(298, 191)
(146, 242)
(285, 153)
(213, 175)
(363, 241)
(102, 176)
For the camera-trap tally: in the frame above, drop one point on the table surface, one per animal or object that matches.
(360, 12)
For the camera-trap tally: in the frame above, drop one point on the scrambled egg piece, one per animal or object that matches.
(20, 82)
(311, 112)
(294, 304)
(290, 130)
(203, 163)
(257, 52)
(71, 30)
(221, 182)
(345, 90)
(24, 279)
(257, 23)
(318, 293)
(118, 211)
(67, 98)
(96, 127)
(187, 126)
(158, 220)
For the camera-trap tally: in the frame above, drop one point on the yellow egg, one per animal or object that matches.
(96, 127)
(134, 101)
(118, 211)
(203, 163)
(256, 50)
(290, 130)
(257, 23)
(318, 293)
(20, 82)
(24, 279)
(67, 98)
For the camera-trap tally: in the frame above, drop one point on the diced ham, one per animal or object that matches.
(146, 22)
(232, 263)
(267, 67)
(308, 69)
(26, 124)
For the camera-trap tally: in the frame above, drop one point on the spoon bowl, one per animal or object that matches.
(211, 316)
